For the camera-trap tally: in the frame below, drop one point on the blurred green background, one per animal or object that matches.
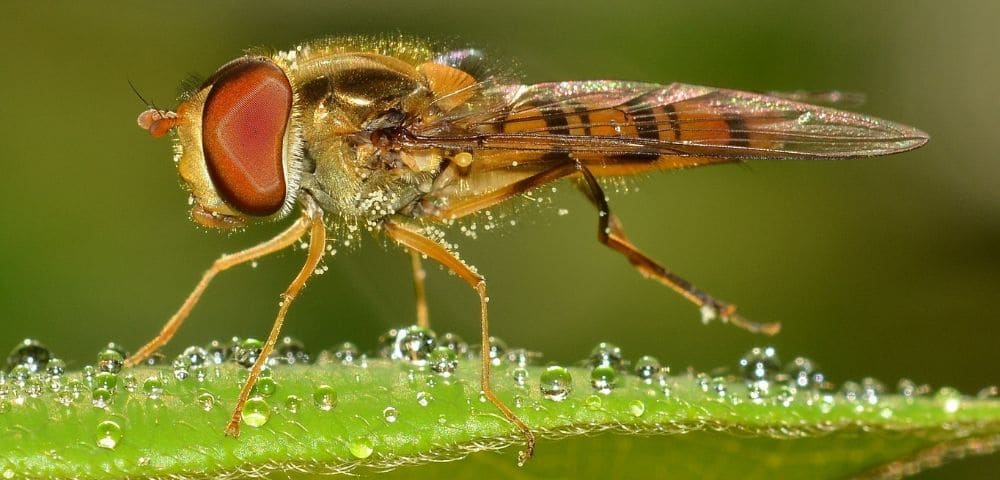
(886, 267)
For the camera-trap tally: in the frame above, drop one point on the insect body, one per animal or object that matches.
(389, 135)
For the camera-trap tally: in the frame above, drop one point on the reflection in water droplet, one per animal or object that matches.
(106, 380)
(759, 366)
(110, 360)
(604, 378)
(247, 351)
(325, 398)
(444, 361)
(346, 353)
(520, 375)
(606, 355)
(498, 348)
(195, 355)
(293, 403)
(206, 400)
(218, 352)
(361, 448)
(646, 367)
(289, 351)
(56, 367)
(109, 434)
(31, 354)
(101, 397)
(802, 373)
(152, 387)
(424, 398)
(556, 383)
(256, 412)
(265, 386)
(390, 414)
(455, 343)
(637, 408)
(413, 344)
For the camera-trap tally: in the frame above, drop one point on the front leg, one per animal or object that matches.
(412, 239)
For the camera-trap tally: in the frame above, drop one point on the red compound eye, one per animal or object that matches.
(243, 129)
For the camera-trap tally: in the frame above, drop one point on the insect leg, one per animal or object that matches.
(281, 241)
(417, 242)
(610, 233)
(317, 246)
(418, 288)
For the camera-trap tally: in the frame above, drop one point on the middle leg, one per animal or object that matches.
(418, 288)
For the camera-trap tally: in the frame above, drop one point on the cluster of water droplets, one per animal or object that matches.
(426, 360)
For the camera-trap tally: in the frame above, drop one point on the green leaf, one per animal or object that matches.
(388, 414)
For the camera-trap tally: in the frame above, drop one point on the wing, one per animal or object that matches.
(620, 128)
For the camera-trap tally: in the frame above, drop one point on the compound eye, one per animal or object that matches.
(243, 130)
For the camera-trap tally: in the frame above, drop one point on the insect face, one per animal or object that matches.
(237, 143)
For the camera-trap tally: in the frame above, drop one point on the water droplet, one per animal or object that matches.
(106, 380)
(20, 374)
(195, 355)
(556, 383)
(390, 414)
(130, 383)
(413, 344)
(719, 386)
(606, 355)
(265, 386)
(109, 434)
(646, 367)
(346, 353)
(851, 391)
(593, 402)
(759, 366)
(949, 398)
(802, 373)
(290, 351)
(29, 353)
(247, 352)
(424, 398)
(497, 349)
(989, 392)
(256, 412)
(218, 352)
(293, 403)
(521, 357)
(444, 361)
(871, 389)
(604, 378)
(110, 361)
(786, 395)
(520, 375)
(361, 448)
(325, 398)
(455, 343)
(101, 397)
(206, 400)
(637, 408)
(88, 372)
(152, 387)
(180, 367)
(155, 359)
(56, 367)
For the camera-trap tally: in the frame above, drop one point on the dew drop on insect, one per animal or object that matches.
(556, 383)
(265, 387)
(325, 398)
(109, 434)
(646, 367)
(29, 353)
(454, 342)
(390, 414)
(759, 366)
(101, 397)
(361, 448)
(256, 412)
(293, 403)
(424, 398)
(606, 355)
(195, 356)
(152, 387)
(604, 379)
(206, 401)
(247, 351)
(413, 344)
(637, 408)
(290, 351)
(593, 402)
(444, 361)
(346, 353)
(109, 360)
(106, 380)
(949, 398)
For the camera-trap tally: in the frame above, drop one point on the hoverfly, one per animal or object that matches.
(389, 135)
